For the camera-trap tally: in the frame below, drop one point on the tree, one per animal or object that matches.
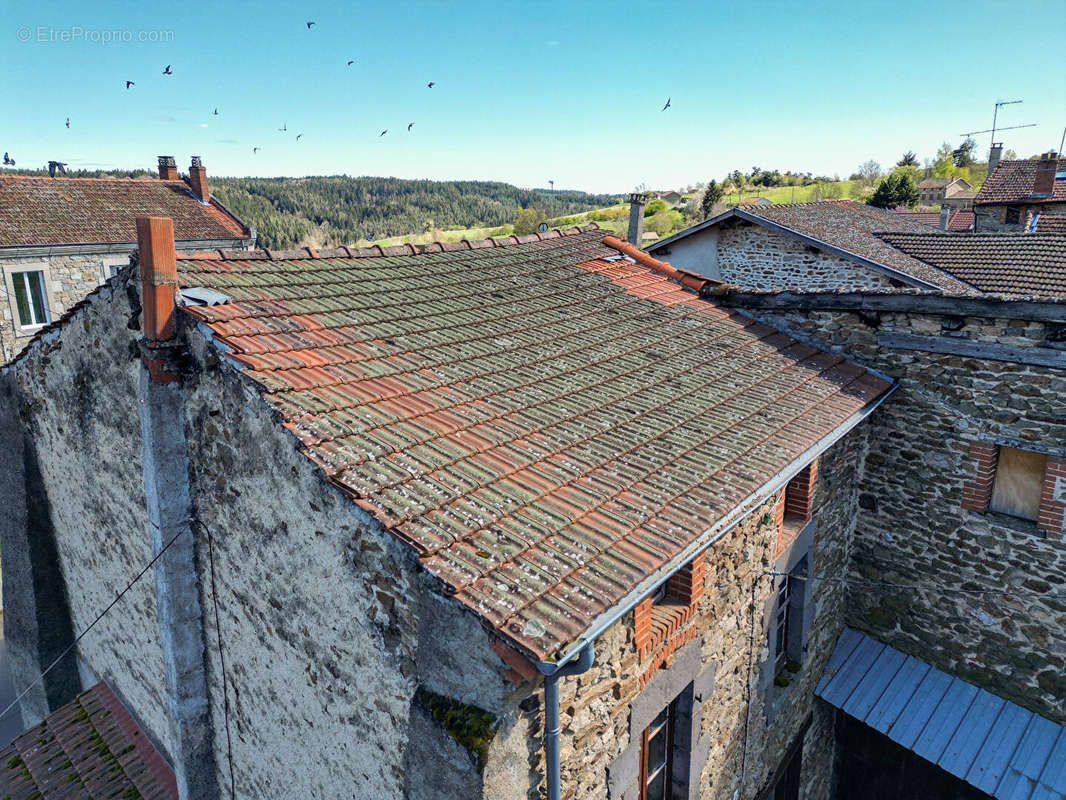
(910, 159)
(526, 221)
(712, 196)
(894, 191)
(963, 154)
(869, 171)
(655, 206)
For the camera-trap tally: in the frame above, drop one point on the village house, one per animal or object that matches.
(549, 517)
(831, 244)
(61, 237)
(671, 198)
(936, 191)
(947, 219)
(1017, 194)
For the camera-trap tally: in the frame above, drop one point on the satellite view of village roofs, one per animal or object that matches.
(532, 401)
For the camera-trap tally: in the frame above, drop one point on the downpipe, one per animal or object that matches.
(552, 672)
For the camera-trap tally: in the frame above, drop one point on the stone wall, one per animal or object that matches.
(68, 280)
(603, 711)
(993, 218)
(756, 257)
(975, 594)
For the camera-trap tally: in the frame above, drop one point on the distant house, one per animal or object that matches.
(828, 245)
(1017, 191)
(957, 220)
(933, 191)
(672, 198)
(649, 236)
(756, 201)
(61, 237)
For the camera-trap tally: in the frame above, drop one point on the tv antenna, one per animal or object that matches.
(552, 185)
(995, 117)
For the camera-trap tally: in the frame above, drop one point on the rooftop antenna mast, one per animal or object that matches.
(995, 115)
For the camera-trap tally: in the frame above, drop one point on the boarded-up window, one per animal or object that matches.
(1019, 477)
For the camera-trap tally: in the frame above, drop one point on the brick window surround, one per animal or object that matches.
(795, 507)
(977, 492)
(659, 628)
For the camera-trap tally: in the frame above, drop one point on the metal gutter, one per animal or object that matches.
(721, 527)
(100, 248)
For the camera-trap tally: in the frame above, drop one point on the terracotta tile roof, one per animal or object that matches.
(1016, 264)
(89, 749)
(1012, 182)
(1051, 223)
(546, 424)
(853, 227)
(43, 211)
(958, 221)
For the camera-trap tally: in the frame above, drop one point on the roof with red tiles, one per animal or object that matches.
(1012, 182)
(1012, 264)
(958, 221)
(843, 226)
(546, 421)
(89, 748)
(1051, 223)
(37, 211)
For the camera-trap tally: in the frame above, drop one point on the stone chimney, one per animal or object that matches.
(945, 217)
(198, 180)
(1044, 183)
(168, 168)
(637, 201)
(994, 155)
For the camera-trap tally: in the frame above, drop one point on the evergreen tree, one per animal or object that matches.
(910, 159)
(712, 196)
(898, 189)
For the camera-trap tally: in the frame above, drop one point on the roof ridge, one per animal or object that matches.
(149, 179)
(377, 251)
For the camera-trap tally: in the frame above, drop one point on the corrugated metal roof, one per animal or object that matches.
(991, 743)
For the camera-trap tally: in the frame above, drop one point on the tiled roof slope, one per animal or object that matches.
(1051, 223)
(545, 423)
(90, 749)
(1012, 182)
(958, 221)
(1017, 264)
(43, 211)
(854, 227)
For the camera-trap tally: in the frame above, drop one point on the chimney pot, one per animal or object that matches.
(159, 276)
(168, 168)
(637, 201)
(1044, 183)
(994, 155)
(198, 180)
(945, 217)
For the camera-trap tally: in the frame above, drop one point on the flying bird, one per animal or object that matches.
(56, 165)
(411, 125)
(129, 84)
(309, 24)
(351, 62)
(298, 136)
(68, 122)
(430, 85)
(255, 150)
(667, 104)
(167, 70)
(8, 160)
(384, 132)
(216, 112)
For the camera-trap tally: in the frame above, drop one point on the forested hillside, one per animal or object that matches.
(323, 211)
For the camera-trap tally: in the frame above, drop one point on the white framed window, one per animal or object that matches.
(29, 291)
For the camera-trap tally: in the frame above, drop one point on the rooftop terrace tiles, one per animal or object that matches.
(543, 427)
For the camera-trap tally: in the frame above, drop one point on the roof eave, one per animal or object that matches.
(103, 248)
(723, 526)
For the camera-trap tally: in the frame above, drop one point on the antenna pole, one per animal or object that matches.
(995, 114)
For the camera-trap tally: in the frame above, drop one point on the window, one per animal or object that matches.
(657, 755)
(31, 300)
(1013, 215)
(1019, 479)
(786, 632)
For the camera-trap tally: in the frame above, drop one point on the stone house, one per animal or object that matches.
(934, 191)
(946, 219)
(831, 244)
(958, 563)
(671, 197)
(62, 237)
(481, 520)
(1017, 193)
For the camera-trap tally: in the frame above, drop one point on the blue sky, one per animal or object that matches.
(526, 91)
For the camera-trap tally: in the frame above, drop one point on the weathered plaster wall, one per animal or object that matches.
(68, 278)
(77, 394)
(598, 708)
(912, 529)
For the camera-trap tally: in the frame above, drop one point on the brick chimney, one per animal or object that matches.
(198, 180)
(1044, 183)
(637, 201)
(159, 276)
(945, 217)
(168, 168)
(994, 155)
